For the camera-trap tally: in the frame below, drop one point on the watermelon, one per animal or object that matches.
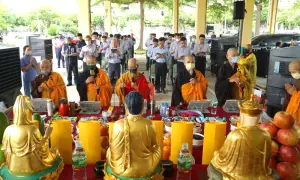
(37, 117)
(3, 125)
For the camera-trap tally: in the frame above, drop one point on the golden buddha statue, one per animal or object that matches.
(133, 149)
(26, 151)
(246, 151)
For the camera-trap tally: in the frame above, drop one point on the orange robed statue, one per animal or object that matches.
(133, 81)
(94, 84)
(49, 84)
(190, 84)
(292, 101)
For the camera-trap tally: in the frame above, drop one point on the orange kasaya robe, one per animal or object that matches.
(126, 78)
(294, 106)
(197, 91)
(101, 90)
(57, 84)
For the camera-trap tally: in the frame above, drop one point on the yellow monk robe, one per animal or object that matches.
(245, 154)
(246, 82)
(184, 91)
(197, 91)
(102, 82)
(53, 81)
(100, 90)
(126, 79)
(294, 106)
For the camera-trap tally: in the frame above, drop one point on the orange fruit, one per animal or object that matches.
(167, 142)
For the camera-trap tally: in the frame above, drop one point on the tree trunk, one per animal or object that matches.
(258, 15)
(142, 22)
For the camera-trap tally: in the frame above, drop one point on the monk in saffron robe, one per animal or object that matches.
(292, 100)
(94, 85)
(132, 81)
(190, 84)
(49, 84)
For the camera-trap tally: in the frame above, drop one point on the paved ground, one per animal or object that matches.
(73, 94)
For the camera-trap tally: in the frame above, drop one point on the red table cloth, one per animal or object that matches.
(198, 171)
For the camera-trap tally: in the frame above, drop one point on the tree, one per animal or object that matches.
(52, 30)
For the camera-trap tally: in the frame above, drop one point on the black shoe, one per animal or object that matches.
(58, 67)
(69, 84)
(157, 91)
(164, 91)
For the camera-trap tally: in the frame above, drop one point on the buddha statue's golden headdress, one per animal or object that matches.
(250, 107)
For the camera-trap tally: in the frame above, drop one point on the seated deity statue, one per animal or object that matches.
(246, 151)
(26, 151)
(134, 152)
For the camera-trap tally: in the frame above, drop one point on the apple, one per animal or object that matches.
(270, 128)
(274, 149)
(272, 163)
(283, 120)
(287, 171)
(288, 137)
(289, 154)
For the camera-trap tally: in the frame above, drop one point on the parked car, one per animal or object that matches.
(269, 40)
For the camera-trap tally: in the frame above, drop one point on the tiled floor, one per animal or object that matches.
(73, 94)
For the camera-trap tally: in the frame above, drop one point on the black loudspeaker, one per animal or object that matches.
(239, 10)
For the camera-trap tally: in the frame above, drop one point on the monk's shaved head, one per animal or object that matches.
(188, 59)
(294, 66)
(132, 63)
(231, 52)
(91, 60)
(45, 65)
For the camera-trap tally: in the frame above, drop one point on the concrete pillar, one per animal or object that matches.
(175, 15)
(272, 15)
(248, 23)
(107, 21)
(84, 17)
(200, 22)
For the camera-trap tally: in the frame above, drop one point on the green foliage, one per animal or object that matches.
(290, 16)
(52, 30)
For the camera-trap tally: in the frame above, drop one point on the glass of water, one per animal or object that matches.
(214, 104)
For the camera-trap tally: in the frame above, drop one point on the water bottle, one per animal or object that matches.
(185, 162)
(214, 104)
(79, 162)
(162, 109)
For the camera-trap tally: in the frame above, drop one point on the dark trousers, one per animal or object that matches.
(98, 59)
(132, 52)
(180, 66)
(173, 61)
(200, 64)
(59, 57)
(160, 75)
(72, 68)
(114, 70)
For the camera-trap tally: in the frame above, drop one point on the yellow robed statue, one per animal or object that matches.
(27, 152)
(134, 152)
(246, 151)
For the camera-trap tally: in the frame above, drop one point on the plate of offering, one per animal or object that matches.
(190, 115)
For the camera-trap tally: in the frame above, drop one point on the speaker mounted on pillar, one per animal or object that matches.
(239, 9)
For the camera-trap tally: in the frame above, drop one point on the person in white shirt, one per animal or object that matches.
(113, 56)
(89, 49)
(134, 41)
(59, 42)
(169, 41)
(160, 55)
(200, 51)
(181, 51)
(174, 44)
(148, 44)
(192, 43)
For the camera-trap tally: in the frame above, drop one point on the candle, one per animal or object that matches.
(214, 137)
(238, 124)
(61, 138)
(159, 128)
(182, 132)
(89, 135)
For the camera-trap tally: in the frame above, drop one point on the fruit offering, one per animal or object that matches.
(285, 145)
(167, 147)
